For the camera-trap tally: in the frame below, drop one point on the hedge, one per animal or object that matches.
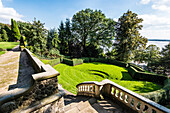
(103, 60)
(54, 62)
(68, 61)
(77, 62)
(136, 67)
(146, 76)
(161, 96)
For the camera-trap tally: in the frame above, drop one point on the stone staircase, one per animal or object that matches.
(83, 104)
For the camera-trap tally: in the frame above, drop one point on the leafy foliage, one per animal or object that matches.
(15, 31)
(36, 36)
(128, 37)
(91, 30)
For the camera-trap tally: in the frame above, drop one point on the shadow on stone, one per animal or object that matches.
(24, 73)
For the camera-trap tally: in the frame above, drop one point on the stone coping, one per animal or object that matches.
(145, 100)
(44, 72)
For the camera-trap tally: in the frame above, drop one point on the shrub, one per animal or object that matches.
(68, 61)
(86, 59)
(77, 62)
(54, 62)
(146, 76)
(53, 53)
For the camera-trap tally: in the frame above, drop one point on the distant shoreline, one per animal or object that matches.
(165, 40)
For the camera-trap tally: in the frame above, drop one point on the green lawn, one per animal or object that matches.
(8, 45)
(2, 52)
(70, 76)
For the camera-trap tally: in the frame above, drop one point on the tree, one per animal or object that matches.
(91, 29)
(69, 37)
(8, 31)
(140, 55)
(62, 38)
(4, 36)
(128, 37)
(52, 39)
(165, 59)
(153, 57)
(15, 30)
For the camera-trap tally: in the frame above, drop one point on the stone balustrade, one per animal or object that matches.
(112, 90)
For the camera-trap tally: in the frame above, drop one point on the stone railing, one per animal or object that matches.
(112, 90)
(43, 91)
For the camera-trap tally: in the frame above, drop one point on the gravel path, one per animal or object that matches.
(15, 70)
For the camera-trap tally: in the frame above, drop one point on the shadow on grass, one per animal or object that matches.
(148, 87)
(97, 72)
(126, 76)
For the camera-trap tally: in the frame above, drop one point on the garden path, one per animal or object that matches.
(15, 70)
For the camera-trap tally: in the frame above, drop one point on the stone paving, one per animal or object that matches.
(15, 70)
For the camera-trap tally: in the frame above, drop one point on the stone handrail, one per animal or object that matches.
(130, 99)
(43, 72)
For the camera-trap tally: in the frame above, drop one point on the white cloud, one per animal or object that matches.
(7, 13)
(145, 1)
(157, 25)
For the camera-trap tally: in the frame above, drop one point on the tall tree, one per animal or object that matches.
(4, 36)
(15, 30)
(8, 31)
(52, 39)
(69, 37)
(128, 37)
(165, 59)
(62, 38)
(92, 30)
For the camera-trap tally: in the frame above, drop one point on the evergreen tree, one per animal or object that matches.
(128, 37)
(69, 37)
(15, 30)
(4, 36)
(8, 31)
(62, 38)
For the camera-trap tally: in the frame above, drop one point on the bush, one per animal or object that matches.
(53, 53)
(77, 62)
(54, 62)
(146, 76)
(68, 61)
(103, 60)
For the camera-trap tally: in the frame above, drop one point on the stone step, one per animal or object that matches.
(81, 107)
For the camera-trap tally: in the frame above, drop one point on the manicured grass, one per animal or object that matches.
(2, 52)
(8, 45)
(71, 76)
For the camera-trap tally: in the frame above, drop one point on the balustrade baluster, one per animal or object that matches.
(149, 110)
(142, 106)
(115, 92)
(135, 103)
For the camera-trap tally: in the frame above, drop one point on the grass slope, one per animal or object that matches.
(70, 76)
(8, 45)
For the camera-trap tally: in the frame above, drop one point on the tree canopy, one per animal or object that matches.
(92, 29)
(128, 37)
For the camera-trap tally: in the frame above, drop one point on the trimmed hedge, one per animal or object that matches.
(136, 67)
(77, 62)
(72, 62)
(68, 61)
(161, 96)
(146, 76)
(103, 60)
(54, 62)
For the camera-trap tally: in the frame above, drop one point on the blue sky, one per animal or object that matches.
(156, 13)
